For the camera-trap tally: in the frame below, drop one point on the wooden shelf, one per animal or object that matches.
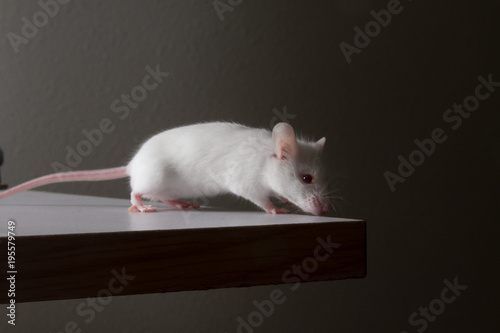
(70, 246)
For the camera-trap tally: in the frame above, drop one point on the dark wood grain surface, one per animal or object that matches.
(168, 252)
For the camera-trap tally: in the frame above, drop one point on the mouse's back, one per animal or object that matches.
(182, 158)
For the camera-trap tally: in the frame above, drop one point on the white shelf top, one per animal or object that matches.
(43, 213)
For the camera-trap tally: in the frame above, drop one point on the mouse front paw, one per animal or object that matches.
(280, 211)
(275, 210)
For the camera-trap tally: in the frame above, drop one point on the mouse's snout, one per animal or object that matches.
(321, 206)
(317, 206)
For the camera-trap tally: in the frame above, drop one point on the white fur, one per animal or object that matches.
(208, 159)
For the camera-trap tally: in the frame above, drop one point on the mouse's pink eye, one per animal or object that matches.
(307, 179)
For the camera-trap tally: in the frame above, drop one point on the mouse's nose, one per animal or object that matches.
(323, 210)
(320, 206)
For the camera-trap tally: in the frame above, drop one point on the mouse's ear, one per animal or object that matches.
(320, 144)
(285, 144)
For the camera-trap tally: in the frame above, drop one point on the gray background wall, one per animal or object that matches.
(439, 224)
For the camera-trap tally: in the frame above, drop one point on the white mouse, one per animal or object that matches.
(209, 159)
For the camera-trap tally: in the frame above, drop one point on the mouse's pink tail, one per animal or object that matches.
(71, 176)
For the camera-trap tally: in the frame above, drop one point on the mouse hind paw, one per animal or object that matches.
(136, 199)
(143, 209)
(181, 204)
